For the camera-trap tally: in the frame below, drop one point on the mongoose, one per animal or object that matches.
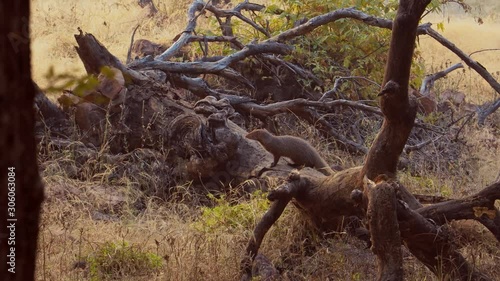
(298, 150)
(143, 47)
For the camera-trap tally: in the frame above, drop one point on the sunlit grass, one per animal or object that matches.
(54, 23)
(470, 37)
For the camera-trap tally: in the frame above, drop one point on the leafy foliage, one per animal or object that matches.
(112, 261)
(64, 81)
(342, 48)
(229, 217)
(345, 47)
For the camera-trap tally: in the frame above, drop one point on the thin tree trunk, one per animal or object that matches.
(21, 191)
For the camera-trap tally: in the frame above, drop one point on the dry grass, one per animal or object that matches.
(81, 215)
(470, 37)
(55, 22)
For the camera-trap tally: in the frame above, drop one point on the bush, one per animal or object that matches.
(112, 261)
(229, 217)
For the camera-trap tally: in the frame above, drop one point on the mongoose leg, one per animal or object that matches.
(276, 159)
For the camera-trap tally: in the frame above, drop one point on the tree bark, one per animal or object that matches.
(94, 56)
(21, 191)
(383, 156)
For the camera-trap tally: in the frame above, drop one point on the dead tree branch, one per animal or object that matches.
(320, 20)
(199, 5)
(431, 245)
(236, 12)
(220, 67)
(410, 148)
(338, 83)
(487, 109)
(281, 197)
(95, 56)
(203, 38)
(483, 50)
(429, 80)
(129, 52)
(480, 207)
(186, 34)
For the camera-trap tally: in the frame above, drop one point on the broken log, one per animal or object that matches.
(95, 56)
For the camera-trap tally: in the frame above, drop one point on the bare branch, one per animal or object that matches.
(429, 80)
(289, 105)
(431, 245)
(326, 126)
(220, 67)
(480, 207)
(197, 85)
(305, 74)
(129, 52)
(186, 34)
(338, 83)
(320, 20)
(199, 5)
(202, 38)
(470, 62)
(217, 66)
(236, 12)
(410, 148)
(281, 197)
(486, 110)
(483, 50)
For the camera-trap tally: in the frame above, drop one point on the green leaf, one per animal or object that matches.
(440, 26)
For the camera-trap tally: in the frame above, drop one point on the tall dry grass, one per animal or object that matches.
(470, 37)
(55, 22)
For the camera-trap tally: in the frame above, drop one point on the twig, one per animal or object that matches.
(483, 50)
(463, 125)
(236, 12)
(338, 83)
(410, 148)
(129, 53)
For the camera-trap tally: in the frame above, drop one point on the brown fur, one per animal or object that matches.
(143, 47)
(298, 150)
(425, 104)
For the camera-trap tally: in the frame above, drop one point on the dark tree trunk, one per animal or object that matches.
(19, 178)
(382, 160)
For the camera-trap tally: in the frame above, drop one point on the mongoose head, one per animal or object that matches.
(260, 135)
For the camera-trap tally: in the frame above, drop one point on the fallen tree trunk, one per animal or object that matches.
(95, 56)
(201, 141)
(433, 246)
(479, 206)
